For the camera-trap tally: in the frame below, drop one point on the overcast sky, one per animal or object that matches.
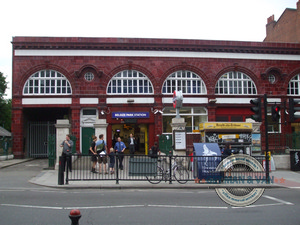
(238, 20)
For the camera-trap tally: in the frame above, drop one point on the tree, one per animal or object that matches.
(5, 105)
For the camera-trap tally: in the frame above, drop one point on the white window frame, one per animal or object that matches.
(185, 81)
(235, 83)
(192, 114)
(130, 82)
(47, 82)
(294, 86)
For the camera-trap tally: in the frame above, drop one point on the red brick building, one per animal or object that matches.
(286, 28)
(130, 83)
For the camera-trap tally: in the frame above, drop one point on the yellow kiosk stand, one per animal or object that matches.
(238, 134)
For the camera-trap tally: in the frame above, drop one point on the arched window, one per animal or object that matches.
(130, 82)
(294, 84)
(185, 81)
(233, 83)
(47, 82)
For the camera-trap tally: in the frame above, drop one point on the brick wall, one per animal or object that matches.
(157, 69)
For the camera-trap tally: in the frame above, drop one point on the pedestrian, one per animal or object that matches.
(111, 160)
(93, 154)
(227, 151)
(67, 145)
(154, 150)
(120, 148)
(131, 144)
(101, 148)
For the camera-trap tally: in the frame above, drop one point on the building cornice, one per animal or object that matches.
(146, 44)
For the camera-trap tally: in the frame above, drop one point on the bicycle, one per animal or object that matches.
(179, 172)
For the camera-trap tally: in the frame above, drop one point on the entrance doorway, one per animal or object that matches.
(139, 131)
(87, 133)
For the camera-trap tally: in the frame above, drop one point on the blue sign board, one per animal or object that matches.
(210, 157)
(136, 115)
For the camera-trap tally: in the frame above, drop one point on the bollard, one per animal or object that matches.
(60, 173)
(75, 216)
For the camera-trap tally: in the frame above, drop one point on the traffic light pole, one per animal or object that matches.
(267, 139)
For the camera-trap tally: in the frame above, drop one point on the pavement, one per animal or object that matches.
(49, 178)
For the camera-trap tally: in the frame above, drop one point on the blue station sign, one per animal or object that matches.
(135, 115)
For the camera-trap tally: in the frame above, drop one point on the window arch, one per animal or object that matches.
(294, 84)
(233, 83)
(47, 82)
(185, 81)
(130, 82)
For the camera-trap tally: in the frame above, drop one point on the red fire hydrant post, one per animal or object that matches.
(75, 216)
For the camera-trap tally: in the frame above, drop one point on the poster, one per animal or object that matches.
(208, 160)
(179, 139)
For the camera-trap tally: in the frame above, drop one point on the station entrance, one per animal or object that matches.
(139, 131)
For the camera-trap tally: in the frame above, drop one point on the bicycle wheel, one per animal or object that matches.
(157, 177)
(181, 174)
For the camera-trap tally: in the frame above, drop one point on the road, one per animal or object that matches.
(25, 203)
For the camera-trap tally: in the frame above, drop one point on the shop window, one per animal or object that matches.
(193, 117)
(89, 112)
(47, 82)
(233, 83)
(222, 118)
(130, 82)
(294, 84)
(185, 81)
(237, 118)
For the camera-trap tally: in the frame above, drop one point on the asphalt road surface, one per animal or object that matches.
(25, 203)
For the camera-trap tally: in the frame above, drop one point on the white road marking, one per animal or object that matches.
(68, 208)
(254, 206)
(32, 206)
(277, 200)
(189, 207)
(105, 207)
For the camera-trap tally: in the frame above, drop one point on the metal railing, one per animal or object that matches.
(145, 168)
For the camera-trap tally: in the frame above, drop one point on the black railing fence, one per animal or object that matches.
(168, 168)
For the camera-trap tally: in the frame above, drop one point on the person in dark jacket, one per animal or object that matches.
(227, 151)
(131, 144)
(154, 151)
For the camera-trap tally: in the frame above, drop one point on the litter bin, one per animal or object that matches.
(295, 159)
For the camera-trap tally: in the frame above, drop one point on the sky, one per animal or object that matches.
(237, 20)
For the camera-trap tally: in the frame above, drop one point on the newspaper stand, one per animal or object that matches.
(239, 135)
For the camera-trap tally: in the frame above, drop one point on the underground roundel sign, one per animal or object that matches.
(174, 99)
(177, 99)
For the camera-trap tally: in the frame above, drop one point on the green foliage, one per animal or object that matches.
(3, 86)
(5, 105)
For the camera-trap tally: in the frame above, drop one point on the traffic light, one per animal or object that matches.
(293, 110)
(275, 113)
(256, 108)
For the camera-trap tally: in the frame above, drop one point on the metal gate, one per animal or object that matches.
(37, 138)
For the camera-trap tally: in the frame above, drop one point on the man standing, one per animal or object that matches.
(120, 148)
(101, 148)
(131, 143)
(67, 152)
